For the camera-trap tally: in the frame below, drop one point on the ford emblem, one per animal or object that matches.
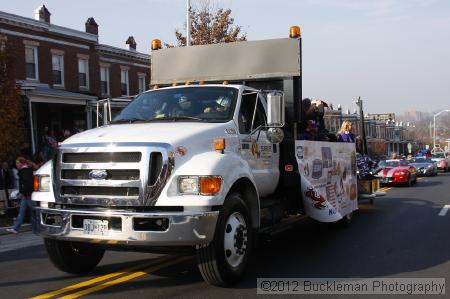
(98, 174)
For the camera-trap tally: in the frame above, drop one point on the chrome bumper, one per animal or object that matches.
(184, 229)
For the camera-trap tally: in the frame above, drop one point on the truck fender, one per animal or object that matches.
(247, 189)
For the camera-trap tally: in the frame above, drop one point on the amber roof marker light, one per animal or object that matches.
(156, 44)
(294, 32)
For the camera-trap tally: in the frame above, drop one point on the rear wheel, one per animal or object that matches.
(223, 261)
(409, 182)
(73, 257)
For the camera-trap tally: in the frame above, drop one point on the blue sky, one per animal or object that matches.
(395, 54)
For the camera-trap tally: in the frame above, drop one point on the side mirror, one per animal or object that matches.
(275, 135)
(275, 109)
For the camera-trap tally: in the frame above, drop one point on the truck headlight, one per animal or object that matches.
(188, 185)
(42, 183)
(203, 185)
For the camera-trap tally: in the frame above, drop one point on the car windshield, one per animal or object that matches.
(421, 160)
(208, 104)
(397, 163)
(438, 155)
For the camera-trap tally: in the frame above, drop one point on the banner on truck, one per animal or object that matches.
(328, 178)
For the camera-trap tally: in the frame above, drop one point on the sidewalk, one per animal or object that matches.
(26, 227)
(24, 239)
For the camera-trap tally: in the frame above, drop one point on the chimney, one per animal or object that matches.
(131, 43)
(42, 14)
(91, 26)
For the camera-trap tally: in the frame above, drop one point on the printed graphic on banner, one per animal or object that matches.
(328, 178)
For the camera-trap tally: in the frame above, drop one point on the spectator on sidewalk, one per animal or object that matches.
(26, 178)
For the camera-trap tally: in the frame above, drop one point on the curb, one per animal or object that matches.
(24, 228)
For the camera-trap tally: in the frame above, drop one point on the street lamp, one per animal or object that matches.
(434, 121)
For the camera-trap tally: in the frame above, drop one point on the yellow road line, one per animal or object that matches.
(387, 189)
(97, 279)
(112, 242)
(124, 278)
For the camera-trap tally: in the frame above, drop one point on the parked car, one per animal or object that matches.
(424, 166)
(397, 172)
(442, 160)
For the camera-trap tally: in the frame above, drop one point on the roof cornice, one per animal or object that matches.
(32, 24)
(105, 49)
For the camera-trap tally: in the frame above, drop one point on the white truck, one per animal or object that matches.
(204, 161)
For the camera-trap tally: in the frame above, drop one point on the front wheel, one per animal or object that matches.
(73, 257)
(223, 261)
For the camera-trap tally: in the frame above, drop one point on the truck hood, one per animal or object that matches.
(174, 133)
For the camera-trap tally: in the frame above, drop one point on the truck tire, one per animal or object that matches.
(224, 260)
(73, 257)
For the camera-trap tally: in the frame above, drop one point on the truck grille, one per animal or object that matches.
(94, 175)
(105, 191)
(113, 174)
(102, 157)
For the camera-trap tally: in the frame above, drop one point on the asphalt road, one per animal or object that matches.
(402, 235)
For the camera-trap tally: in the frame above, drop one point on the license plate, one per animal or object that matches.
(95, 227)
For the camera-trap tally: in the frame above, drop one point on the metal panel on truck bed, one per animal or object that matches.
(276, 58)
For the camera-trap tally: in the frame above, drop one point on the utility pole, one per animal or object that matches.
(188, 23)
(359, 102)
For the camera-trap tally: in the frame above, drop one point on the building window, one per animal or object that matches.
(58, 69)
(104, 80)
(124, 82)
(83, 73)
(31, 59)
(141, 83)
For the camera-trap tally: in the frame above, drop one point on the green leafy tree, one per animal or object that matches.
(211, 26)
(11, 107)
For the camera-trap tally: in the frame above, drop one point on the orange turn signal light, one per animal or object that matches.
(294, 32)
(288, 168)
(210, 185)
(219, 144)
(156, 44)
(36, 183)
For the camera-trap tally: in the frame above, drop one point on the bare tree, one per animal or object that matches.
(211, 26)
(11, 105)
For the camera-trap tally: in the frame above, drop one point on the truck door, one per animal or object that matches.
(261, 155)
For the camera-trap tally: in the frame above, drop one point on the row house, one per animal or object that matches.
(64, 72)
(384, 135)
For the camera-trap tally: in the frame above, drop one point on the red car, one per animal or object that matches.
(398, 171)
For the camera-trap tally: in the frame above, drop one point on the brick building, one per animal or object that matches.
(384, 135)
(63, 72)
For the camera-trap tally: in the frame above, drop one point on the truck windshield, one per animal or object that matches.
(207, 104)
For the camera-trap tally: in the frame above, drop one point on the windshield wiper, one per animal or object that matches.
(175, 118)
(128, 120)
